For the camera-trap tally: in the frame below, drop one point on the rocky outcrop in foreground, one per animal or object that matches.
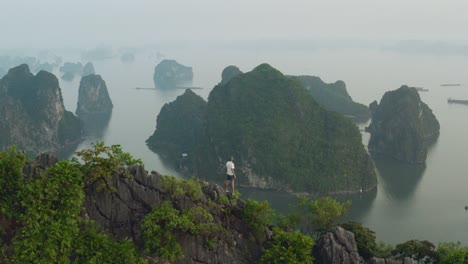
(33, 114)
(170, 74)
(136, 193)
(339, 247)
(93, 97)
(402, 126)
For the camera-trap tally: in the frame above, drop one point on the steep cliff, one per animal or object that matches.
(33, 115)
(93, 96)
(180, 129)
(333, 96)
(281, 138)
(170, 74)
(402, 126)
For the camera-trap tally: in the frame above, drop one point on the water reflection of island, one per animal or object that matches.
(95, 125)
(398, 180)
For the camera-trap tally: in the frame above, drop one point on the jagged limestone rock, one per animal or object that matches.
(120, 214)
(93, 97)
(402, 126)
(33, 114)
(339, 247)
(334, 96)
(281, 138)
(170, 74)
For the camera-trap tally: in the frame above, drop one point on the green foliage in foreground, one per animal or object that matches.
(258, 215)
(94, 247)
(288, 247)
(161, 225)
(11, 180)
(47, 213)
(452, 253)
(365, 239)
(101, 162)
(180, 187)
(319, 215)
(52, 204)
(416, 249)
(48, 227)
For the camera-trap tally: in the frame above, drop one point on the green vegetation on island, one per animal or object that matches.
(280, 136)
(334, 96)
(402, 126)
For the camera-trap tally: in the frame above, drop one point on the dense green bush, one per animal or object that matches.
(180, 187)
(383, 250)
(12, 162)
(101, 162)
(47, 212)
(288, 247)
(452, 253)
(164, 222)
(94, 247)
(316, 215)
(258, 215)
(423, 251)
(365, 239)
(52, 204)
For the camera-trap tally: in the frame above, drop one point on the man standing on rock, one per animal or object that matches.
(230, 174)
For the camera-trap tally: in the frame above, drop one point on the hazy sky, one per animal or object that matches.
(86, 23)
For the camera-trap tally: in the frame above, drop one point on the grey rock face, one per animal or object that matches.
(338, 247)
(170, 74)
(33, 115)
(402, 126)
(121, 214)
(93, 97)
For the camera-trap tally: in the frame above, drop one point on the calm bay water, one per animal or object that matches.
(411, 202)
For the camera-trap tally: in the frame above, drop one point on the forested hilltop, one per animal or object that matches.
(334, 96)
(105, 208)
(279, 135)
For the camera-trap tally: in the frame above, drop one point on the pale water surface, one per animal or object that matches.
(409, 203)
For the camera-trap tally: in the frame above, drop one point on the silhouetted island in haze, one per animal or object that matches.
(170, 74)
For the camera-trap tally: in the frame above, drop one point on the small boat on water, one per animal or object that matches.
(450, 84)
(421, 89)
(455, 101)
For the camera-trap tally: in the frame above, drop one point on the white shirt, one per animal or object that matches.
(229, 168)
